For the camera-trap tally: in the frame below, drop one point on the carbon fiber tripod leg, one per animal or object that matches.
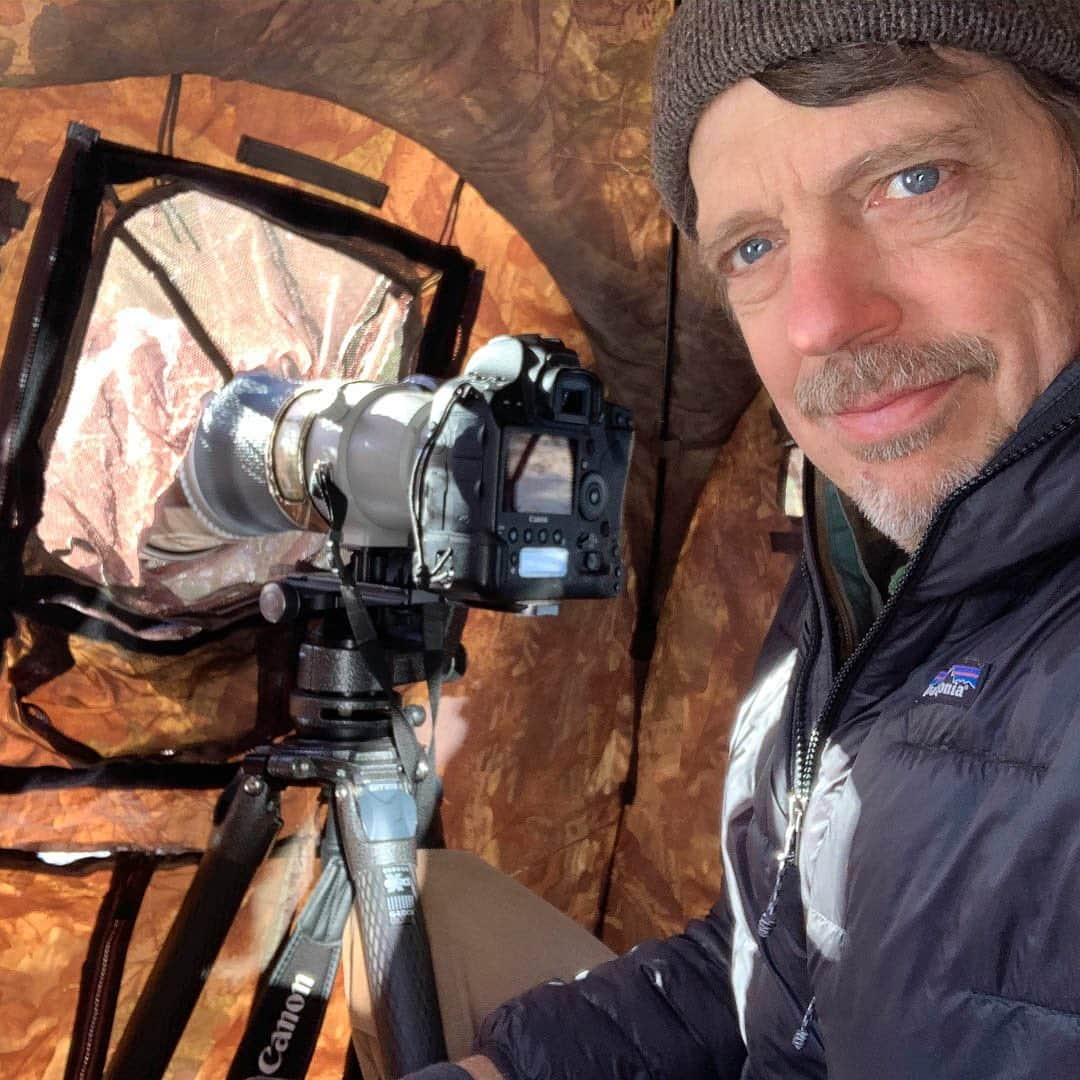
(376, 818)
(198, 931)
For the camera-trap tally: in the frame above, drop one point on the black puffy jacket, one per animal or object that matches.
(928, 925)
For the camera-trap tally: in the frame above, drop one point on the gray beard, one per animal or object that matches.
(906, 519)
(849, 378)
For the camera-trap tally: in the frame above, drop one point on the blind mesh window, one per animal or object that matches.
(192, 288)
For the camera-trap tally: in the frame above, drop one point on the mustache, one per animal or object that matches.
(847, 379)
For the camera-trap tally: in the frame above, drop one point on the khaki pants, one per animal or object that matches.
(491, 938)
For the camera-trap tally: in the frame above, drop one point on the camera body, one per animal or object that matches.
(521, 495)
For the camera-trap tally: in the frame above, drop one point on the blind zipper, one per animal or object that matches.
(104, 977)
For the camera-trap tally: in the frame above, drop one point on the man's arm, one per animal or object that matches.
(664, 1010)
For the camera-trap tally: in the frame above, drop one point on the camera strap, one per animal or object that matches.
(288, 1014)
(417, 761)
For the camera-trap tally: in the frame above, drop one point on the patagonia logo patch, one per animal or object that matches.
(957, 684)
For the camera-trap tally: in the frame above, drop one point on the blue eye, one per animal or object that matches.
(920, 180)
(752, 250)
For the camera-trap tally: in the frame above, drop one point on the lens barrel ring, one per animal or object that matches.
(299, 508)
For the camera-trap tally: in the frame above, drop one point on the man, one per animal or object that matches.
(896, 230)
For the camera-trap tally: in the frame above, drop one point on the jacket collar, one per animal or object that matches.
(1021, 508)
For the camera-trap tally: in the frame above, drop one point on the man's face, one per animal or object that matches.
(904, 270)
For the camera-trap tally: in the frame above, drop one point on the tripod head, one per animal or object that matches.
(344, 683)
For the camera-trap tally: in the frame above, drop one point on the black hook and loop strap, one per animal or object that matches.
(103, 968)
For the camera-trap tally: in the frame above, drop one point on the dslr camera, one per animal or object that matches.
(503, 487)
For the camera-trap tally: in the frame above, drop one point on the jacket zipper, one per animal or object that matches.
(767, 922)
(796, 808)
(807, 750)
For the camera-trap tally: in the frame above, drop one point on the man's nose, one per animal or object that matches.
(839, 297)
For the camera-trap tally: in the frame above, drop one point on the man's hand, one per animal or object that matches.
(480, 1068)
(477, 1066)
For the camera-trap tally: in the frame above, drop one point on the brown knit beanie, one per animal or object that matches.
(711, 44)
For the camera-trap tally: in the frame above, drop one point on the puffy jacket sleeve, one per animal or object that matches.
(664, 1011)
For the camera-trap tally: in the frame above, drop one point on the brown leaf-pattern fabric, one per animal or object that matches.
(46, 920)
(534, 744)
(115, 702)
(124, 819)
(726, 586)
(45, 923)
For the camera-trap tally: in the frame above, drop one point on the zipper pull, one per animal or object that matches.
(796, 809)
(798, 1040)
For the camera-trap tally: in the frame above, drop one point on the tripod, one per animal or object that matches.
(354, 741)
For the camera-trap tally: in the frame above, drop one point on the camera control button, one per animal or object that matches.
(592, 562)
(527, 536)
(542, 536)
(556, 536)
(512, 536)
(593, 497)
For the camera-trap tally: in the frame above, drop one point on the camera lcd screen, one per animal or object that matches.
(539, 473)
(544, 562)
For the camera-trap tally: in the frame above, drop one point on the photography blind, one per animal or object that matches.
(191, 290)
